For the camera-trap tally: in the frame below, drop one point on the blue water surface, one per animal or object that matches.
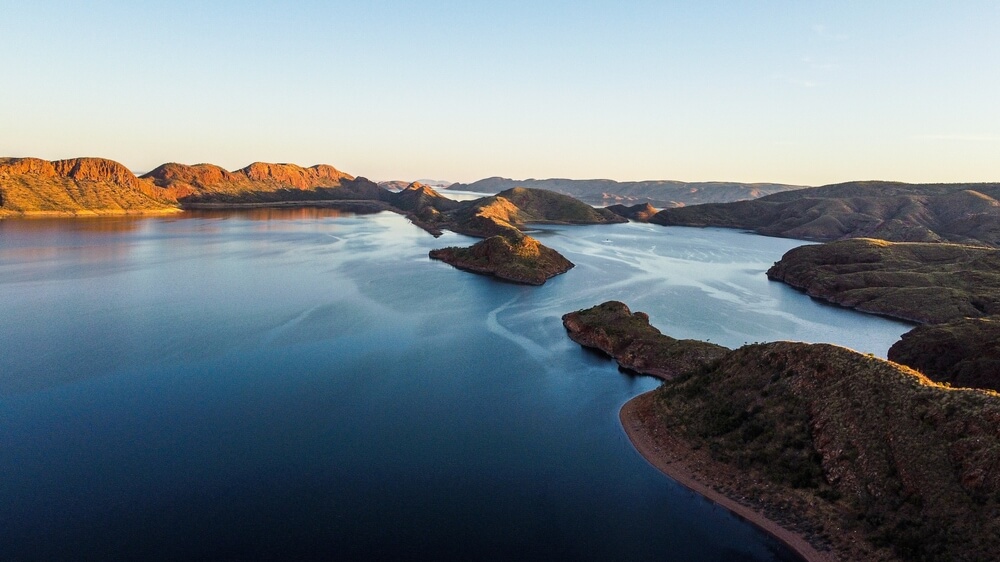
(305, 384)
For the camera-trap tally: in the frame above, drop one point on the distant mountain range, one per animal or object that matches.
(399, 185)
(659, 193)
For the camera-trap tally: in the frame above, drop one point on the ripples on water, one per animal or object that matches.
(308, 384)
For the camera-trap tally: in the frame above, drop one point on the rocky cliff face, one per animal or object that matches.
(295, 176)
(96, 169)
(260, 182)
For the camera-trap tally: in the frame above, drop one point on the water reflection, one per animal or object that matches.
(269, 213)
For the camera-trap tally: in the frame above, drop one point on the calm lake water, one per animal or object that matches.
(303, 384)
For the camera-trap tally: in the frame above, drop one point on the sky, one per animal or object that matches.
(801, 92)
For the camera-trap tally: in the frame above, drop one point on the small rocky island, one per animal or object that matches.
(511, 256)
(854, 457)
(506, 252)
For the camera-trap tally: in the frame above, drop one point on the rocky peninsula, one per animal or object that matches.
(953, 289)
(856, 458)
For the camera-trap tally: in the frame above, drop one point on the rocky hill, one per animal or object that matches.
(75, 187)
(836, 445)
(659, 193)
(963, 213)
(499, 219)
(919, 282)
(641, 212)
(82, 186)
(260, 182)
(509, 255)
(955, 289)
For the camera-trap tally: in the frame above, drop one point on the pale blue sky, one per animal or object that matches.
(797, 91)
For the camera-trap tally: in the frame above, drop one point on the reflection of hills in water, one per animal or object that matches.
(270, 213)
(78, 224)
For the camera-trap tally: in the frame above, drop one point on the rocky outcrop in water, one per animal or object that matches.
(511, 256)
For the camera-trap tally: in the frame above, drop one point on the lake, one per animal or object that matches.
(307, 384)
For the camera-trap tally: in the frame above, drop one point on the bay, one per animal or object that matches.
(304, 384)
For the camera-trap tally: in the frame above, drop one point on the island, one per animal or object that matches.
(841, 455)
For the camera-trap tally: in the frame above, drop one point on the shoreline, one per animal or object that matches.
(672, 464)
(88, 213)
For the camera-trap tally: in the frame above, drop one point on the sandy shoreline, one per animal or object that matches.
(669, 455)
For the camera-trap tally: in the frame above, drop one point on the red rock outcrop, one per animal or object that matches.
(96, 169)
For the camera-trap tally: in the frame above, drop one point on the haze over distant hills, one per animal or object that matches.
(659, 193)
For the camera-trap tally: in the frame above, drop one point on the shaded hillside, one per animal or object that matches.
(423, 206)
(510, 255)
(659, 193)
(77, 187)
(963, 352)
(964, 213)
(641, 212)
(831, 442)
(919, 282)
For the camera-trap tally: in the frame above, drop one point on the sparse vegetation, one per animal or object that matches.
(954, 287)
(963, 213)
(830, 440)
